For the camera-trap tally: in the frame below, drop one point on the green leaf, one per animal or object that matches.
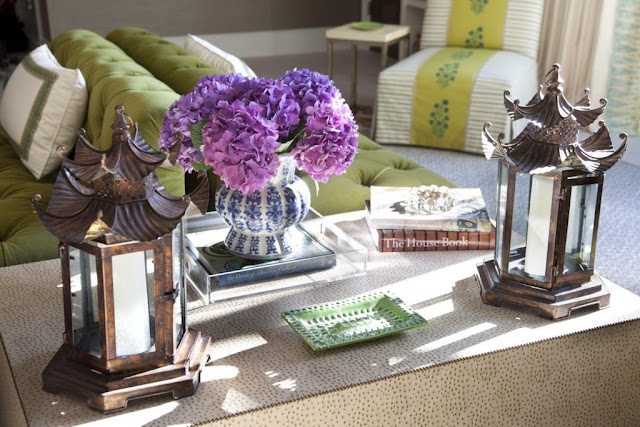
(199, 166)
(196, 133)
(284, 147)
(297, 133)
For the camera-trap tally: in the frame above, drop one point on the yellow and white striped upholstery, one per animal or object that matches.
(513, 68)
(521, 26)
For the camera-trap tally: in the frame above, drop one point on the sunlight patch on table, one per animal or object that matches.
(228, 346)
(431, 285)
(215, 372)
(288, 384)
(395, 360)
(271, 374)
(436, 310)
(135, 418)
(236, 401)
(509, 339)
(458, 336)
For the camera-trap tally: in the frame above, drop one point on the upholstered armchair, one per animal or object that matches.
(470, 51)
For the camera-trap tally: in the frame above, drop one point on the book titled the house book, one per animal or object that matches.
(389, 211)
(405, 240)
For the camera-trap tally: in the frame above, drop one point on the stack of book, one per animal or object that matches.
(397, 228)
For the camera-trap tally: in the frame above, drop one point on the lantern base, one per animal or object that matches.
(109, 393)
(554, 304)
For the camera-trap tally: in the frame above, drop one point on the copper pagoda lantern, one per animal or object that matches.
(126, 334)
(549, 191)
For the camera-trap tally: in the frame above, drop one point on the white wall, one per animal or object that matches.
(267, 43)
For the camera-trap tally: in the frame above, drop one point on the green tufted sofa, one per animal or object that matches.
(146, 74)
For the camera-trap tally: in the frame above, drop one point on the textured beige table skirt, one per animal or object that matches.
(472, 364)
(588, 379)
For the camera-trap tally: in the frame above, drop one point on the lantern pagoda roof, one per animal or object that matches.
(550, 139)
(115, 193)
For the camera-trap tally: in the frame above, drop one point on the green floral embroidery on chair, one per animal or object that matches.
(462, 54)
(475, 38)
(447, 74)
(477, 6)
(440, 119)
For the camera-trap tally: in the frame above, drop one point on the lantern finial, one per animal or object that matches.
(550, 139)
(121, 183)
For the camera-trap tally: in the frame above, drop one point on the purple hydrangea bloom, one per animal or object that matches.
(247, 120)
(206, 97)
(190, 109)
(331, 138)
(239, 144)
(310, 87)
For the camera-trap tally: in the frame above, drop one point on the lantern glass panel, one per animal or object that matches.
(179, 309)
(503, 176)
(518, 242)
(133, 301)
(84, 301)
(533, 198)
(580, 226)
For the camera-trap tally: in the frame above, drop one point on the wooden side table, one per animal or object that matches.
(384, 37)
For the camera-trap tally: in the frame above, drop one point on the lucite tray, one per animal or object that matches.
(353, 320)
(344, 258)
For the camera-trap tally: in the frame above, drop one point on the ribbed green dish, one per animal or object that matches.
(353, 320)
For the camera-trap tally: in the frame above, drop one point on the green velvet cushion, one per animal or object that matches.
(23, 238)
(167, 61)
(113, 78)
(374, 165)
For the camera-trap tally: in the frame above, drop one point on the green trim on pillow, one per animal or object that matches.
(48, 79)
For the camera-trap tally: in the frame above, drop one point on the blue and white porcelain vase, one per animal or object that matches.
(263, 223)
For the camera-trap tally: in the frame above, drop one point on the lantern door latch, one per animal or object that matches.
(170, 296)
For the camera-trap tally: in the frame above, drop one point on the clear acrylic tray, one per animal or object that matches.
(336, 256)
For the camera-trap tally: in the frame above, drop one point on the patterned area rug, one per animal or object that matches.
(618, 249)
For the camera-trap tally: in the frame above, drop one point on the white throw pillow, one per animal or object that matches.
(42, 107)
(221, 61)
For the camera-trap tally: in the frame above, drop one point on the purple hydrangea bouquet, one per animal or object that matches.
(244, 129)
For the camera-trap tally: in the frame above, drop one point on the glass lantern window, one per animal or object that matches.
(84, 301)
(518, 242)
(529, 244)
(179, 308)
(538, 225)
(133, 300)
(580, 228)
(503, 176)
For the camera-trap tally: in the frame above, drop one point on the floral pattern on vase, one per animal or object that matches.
(263, 222)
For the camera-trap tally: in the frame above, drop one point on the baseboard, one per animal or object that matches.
(268, 43)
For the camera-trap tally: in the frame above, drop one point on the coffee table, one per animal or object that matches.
(472, 364)
(384, 36)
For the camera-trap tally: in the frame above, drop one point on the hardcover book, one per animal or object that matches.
(232, 270)
(402, 240)
(389, 210)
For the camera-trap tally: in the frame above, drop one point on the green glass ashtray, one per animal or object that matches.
(367, 25)
(353, 320)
